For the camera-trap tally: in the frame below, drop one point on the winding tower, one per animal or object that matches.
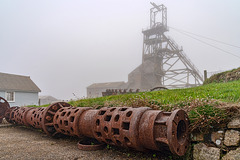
(164, 64)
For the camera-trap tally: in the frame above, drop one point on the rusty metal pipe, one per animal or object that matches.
(142, 129)
(138, 128)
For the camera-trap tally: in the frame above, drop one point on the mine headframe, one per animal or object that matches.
(162, 59)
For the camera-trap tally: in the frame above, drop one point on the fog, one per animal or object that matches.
(65, 46)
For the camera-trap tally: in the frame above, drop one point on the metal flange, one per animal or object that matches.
(89, 144)
(48, 115)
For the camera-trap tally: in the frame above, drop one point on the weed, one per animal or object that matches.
(108, 146)
(154, 155)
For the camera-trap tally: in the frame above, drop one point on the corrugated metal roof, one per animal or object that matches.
(11, 82)
(107, 85)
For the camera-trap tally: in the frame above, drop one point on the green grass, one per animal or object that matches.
(45, 105)
(226, 92)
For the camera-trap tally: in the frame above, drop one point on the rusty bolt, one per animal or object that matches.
(48, 118)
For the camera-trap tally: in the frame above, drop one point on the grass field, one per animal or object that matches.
(226, 92)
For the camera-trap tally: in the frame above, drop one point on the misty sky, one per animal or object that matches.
(65, 46)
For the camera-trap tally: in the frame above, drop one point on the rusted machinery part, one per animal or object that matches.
(48, 115)
(142, 129)
(90, 145)
(18, 115)
(66, 120)
(8, 114)
(158, 88)
(86, 122)
(165, 131)
(119, 126)
(177, 132)
(4, 106)
(34, 117)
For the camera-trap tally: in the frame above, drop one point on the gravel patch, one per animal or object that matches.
(19, 142)
(23, 143)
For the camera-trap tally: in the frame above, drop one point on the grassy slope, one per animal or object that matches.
(226, 92)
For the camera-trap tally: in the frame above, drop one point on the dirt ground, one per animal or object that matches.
(19, 142)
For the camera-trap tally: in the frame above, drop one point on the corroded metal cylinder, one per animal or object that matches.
(34, 117)
(4, 107)
(119, 126)
(86, 122)
(18, 115)
(138, 128)
(66, 120)
(160, 130)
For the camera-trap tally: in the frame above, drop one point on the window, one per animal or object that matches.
(10, 96)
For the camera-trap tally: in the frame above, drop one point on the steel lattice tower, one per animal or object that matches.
(164, 64)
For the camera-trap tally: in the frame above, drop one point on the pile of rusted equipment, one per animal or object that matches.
(140, 128)
(110, 92)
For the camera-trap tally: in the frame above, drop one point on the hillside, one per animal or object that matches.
(226, 92)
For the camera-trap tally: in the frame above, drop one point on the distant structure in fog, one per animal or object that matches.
(47, 100)
(164, 64)
(96, 89)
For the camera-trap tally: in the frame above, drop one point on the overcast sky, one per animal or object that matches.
(65, 46)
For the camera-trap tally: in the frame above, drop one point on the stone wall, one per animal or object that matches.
(221, 143)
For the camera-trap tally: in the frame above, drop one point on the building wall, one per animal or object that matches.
(2, 94)
(148, 80)
(95, 92)
(23, 98)
(144, 77)
(134, 79)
